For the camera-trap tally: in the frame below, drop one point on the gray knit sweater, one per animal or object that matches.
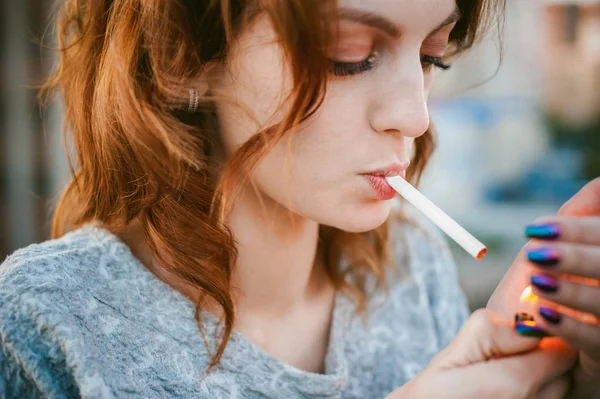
(80, 316)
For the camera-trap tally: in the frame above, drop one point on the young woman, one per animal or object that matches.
(228, 232)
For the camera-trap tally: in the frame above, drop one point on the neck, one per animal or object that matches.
(276, 267)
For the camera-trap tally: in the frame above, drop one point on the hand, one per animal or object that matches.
(566, 278)
(489, 359)
(577, 257)
(505, 300)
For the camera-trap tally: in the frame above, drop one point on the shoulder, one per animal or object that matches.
(59, 280)
(44, 290)
(65, 278)
(80, 260)
(52, 276)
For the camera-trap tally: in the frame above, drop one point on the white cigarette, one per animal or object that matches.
(441, 219)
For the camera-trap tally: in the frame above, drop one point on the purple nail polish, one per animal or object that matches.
(550, 315)
(545, 283)
(546, 231)
(530, 329)
(543, 256)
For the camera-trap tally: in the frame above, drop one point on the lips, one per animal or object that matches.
(383, 190)
(377, 179)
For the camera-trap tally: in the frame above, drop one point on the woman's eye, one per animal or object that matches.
(352, 68)
(428, 62)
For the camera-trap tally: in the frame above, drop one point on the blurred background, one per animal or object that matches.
(517, 137)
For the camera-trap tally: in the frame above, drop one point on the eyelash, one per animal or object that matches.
(428, 61)
(350, 68)
(354, 68)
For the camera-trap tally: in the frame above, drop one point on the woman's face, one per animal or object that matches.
(374, 109)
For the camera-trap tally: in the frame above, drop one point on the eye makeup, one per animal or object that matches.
(352, 68)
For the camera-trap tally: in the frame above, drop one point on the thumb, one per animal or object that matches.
(484, 336)
(585, 203)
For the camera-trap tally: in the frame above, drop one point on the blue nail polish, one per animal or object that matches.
(543, 231)
(550, 315)
(530, 329)
(545, 283)
(543, 256)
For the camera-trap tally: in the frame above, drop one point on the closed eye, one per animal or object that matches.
(428, 62)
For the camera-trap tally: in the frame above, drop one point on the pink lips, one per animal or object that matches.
(382, 188)
(377, 179)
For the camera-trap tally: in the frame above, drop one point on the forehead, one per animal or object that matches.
(410, 16)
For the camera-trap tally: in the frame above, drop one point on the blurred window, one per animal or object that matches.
(572, 16)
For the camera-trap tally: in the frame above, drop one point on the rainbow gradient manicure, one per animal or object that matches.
(550, 315)
(543, 256)
(543, 231)
(545, 283)
(530, 329)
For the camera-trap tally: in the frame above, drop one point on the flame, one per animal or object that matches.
(528, 296)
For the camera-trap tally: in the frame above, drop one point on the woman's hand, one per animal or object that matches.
(566, 277)
(562, 263)
(489, 359)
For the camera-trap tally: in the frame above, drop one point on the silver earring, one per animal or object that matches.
(193, 100)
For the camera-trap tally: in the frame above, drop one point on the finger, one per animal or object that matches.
(484, 336)
(577, 259)
(578, 334)
(556, 389)
(536, 369)
(573, 295)
(583, 230)
(585, 203)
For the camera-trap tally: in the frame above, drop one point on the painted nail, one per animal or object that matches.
(530, 329)
(550, 315)
(543, 256)
(523, 316)
(545, 283)
(545, 231)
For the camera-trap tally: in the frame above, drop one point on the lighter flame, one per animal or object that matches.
(528, 296)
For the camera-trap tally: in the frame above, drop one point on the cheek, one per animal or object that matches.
(252, 87)
(316, 176)
(323, 158)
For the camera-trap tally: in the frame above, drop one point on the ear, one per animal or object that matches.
(196, 93)
(212, 73)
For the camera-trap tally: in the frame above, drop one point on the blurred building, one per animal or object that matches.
(571, 60)
(518, 123)
(32, 166)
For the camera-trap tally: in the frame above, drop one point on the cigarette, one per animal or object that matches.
(462, 237)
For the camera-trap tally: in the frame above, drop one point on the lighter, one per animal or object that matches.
(524, 319)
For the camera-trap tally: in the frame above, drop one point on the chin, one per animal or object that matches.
(364, 217)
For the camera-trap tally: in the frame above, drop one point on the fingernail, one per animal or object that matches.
(523, 316)
(545, 283)
(530, 329)
(543, 256)
(550, 315)
(546, 231)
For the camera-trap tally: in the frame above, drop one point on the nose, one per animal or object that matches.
(400, 105)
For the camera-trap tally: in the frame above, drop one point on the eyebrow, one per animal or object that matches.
(379, 22)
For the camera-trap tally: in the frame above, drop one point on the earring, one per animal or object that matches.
(193, 106)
